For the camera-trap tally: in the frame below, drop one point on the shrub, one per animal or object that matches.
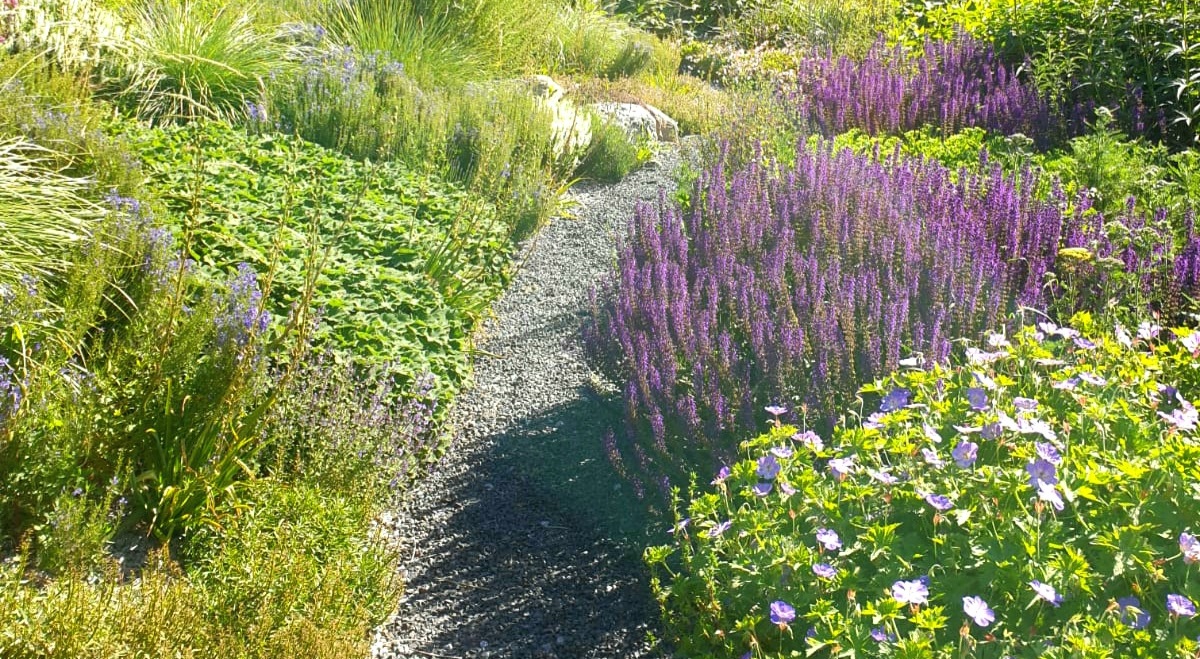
(610, 156)
(184, 60)
(950, 86)
(77, 35)
(699, 107)
(1050, 477)
(842, 27)
(798, 284)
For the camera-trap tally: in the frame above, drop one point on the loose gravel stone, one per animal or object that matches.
(494, 565)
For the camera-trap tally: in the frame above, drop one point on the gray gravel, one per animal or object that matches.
(514, 544)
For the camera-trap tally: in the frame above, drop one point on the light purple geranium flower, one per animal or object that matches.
(1190, 546)
(968, 430)
(1041, 471)
(768, 467)
(720, 528)
(883, 476)
(895, 399)
(977, 357)
(915, 592)
(991, 430)
(939, 502)
(1025, 404)
(1179, 605)
(681, 525)
(1046, 591)
(984, 380)
(965, 454)
(776, 410)
(1183, 417)
(978, 610)
(721, 476)
(1048, 452)
(1148, 330)
(1084, 344)
(810, 439)
(829, 539)
(761, 489)
(1123, 338)
(1049, 494)
(841, 466)
(931, 458)
(931, 433)
(781, 452)
(997, 340)
(1092, 379)
(1132, 613)
(1053, 330)
(782, 613)
(824, 570)
(875, 421)
(1068, 384)
(977, 398)
(1191, 341)
(881, 635)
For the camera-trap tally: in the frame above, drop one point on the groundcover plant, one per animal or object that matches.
(1037, 499)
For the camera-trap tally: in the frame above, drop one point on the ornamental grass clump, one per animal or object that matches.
(949, 85)
(800, 284)
(1072, 533)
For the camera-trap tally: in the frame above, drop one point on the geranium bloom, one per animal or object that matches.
(1084, 344)
(883, 476)
(931, 457)
(895, 399)
(977, 398)
(1067, 384)
(1190, 547)
(913, 592)
(1132, 613)
(1179, 605)
(761, 489)
(841, 466)
(1046, 591)
(824, 570)
(786, 488)
(829, 539)
(1148, 330)
(1191, 342)
(768, 467)
(782, 613)
(965, 454)
(1041, 471)
(776, 410)
(1123, 338)
(940, 502)
(1092, 379)
(720, 528)
(1025, 404)
(721, 476)
(1183, 417)
(932, 434)
(978, 610)
(1048, 452)
(782, 452)
(809, 439)
(881, 635)
(1049, 494)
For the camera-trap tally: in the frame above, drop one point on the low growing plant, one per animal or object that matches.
(1035, 500)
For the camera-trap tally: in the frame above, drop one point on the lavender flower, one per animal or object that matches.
(824, 570)
(1048, 493)
(1046, 592)
(810, 439)
(1179, 605)
(965, 454)
(768, 467)
(782, 613)
(761, 489)
(1047, 452)
(1041, 471)
(913, 592)
(722, 474)
(939, 502)
(977, 398)
(883, 476)
(978, 611)
(895, 399)
(781, 452)
(1189, 546)
(829, 540)
(776, 410)
(1132, 613)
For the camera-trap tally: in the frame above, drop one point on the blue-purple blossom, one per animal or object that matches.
(1049, 493)
(895, 399)
(782, 613)
(1025, 404)
(829, 540)
(781, 452)
(991, 430)
(881, 635)
(931, 433)
(840, 467)
(1180, 605)
(720, 528)
(965, 453)
(1048, 452)
(722, 474)
(810, 439)
(761, 489)
(978, 611)
(776, 410)
(824, 570)
(1148, 330)
(1189, 546)
(883, 476)
(1041, 471)
(768, 467)
(931, 458)
(1046, 592)
(1067, 384)
(1092, 379)
(786, 488)
(1132, 613)
(913, 592)
(977, 398)
(939, 502)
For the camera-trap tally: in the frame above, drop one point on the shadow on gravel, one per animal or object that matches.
(544, 495)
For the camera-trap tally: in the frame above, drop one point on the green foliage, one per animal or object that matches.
(1069, 463)
(293, 576)
(611, 155)
(410, 262)
(183, 60)
(843, 27)
(76, 35)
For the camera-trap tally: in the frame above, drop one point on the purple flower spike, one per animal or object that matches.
(1190, 547)
(978, 611)
(965, 454)
(829, 539)
(782, 613)
(913, 592)
(1132, 613)
(768, 467)
(977, 398)
(1179, 605)
(1046, 592)
(824, 570)
(940, 502)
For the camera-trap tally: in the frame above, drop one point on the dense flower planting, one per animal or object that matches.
(799, 285)
(1038, 500)
(950, 84)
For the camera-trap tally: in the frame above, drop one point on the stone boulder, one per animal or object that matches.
(639, 120)
(571, 128)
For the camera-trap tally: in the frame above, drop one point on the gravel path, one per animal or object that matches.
(509, 543)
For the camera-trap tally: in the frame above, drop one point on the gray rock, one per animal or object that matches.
(639, 120)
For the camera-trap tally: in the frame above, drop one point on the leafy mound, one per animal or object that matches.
(1038, 501)
(410, 262)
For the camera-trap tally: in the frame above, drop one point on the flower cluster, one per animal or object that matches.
(800, 284)
(950, 85)
(242, 316)
(1073, 525)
